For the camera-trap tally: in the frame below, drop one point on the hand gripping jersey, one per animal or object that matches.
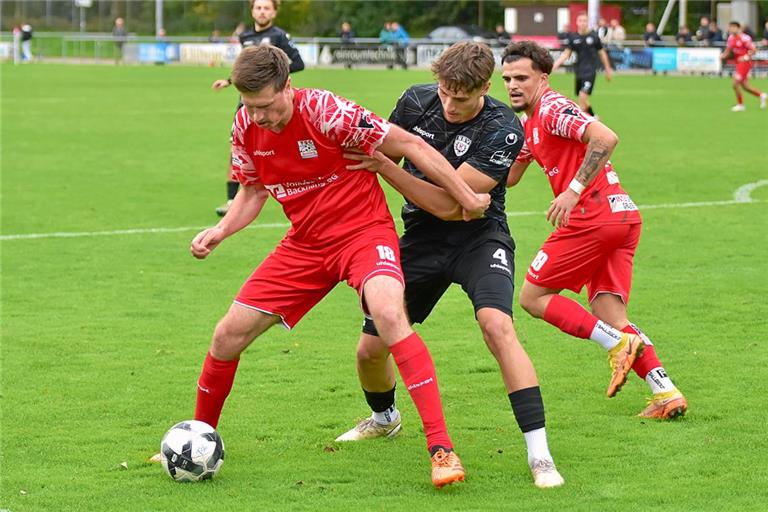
(303, 168)
(740, 45)
(553, 138)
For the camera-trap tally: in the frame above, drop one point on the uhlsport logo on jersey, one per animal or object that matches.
(511, 139)
(307, 149)
(461, 144)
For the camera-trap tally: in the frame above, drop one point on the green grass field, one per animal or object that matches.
(103, 336)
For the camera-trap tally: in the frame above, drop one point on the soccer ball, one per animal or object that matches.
(192, 451)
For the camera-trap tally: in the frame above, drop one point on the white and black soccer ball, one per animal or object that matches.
(192, 451)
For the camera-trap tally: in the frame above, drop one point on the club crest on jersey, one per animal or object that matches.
(307, 149)
(590, 40)
(461, 144)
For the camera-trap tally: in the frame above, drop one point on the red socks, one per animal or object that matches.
(739, 98)
(213, 387)
(418, 373)
(568, 316)
(648, 359)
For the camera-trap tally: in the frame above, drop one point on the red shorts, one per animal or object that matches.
(599, 257)
(742, 71)
(296, 276)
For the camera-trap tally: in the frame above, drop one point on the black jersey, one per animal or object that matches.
(586, 47)
(276, 37)
(490, 143)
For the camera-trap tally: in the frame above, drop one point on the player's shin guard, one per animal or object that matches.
(418, 373)
(528, 408)
(570, 317)
(213, 387)
(232, 187)
(647, 360)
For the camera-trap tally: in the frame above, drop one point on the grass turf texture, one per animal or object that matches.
(103, 337)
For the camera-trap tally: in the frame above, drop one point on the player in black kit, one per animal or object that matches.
(481, 137)
(588, 50)
(263, 32)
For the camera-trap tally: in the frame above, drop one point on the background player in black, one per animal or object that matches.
(481, 137)
(588, 50)
(264, 31)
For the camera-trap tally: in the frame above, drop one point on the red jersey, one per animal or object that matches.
(303, 169)
(553, 138)
(740, 45)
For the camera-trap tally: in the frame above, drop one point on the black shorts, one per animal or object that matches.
(585, 83)
(484, 266)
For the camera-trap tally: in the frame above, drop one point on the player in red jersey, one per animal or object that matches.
(741, 47)
(289, 143)
(597, 228)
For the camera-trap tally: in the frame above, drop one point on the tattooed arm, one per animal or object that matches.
(600, 144)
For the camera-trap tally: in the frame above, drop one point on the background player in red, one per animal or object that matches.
(741, 47)
(597, 228)
(264, 31)
(288, 143)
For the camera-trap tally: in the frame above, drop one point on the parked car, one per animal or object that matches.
(453, 33)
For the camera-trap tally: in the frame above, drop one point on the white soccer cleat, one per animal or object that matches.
(738, 108)
(764, 100)
(370, 429)
(545, 474)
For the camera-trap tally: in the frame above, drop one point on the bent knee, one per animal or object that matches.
(369, 352)
(388, 317)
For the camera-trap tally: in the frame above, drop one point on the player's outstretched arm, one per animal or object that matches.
(244, 209)
(220, 84)
(428, 160)
(516, 173)
(601, 142)
(561, 59)
(425, 195)
(606, 64)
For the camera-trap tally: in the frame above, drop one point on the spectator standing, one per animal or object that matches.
(346, 34)
(215, 37)
(716, 37)
(26, 42)
(602, 30)
(385, 34)
(120, 33)
(651, 37)
(503, 37)
(704, 32)
(616, 34)
(401, 39)
(765, 33)
(683, 36)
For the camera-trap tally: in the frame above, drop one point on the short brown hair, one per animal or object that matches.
(275, 4)
(465, 66)
(540, 57)
(259, 66)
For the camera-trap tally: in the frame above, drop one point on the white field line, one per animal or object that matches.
(742, 195)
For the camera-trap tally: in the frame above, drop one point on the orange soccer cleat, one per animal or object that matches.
(446, 468)
(665, 406)
(621, 358)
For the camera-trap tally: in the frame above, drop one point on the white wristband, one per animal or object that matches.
(576, 186)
